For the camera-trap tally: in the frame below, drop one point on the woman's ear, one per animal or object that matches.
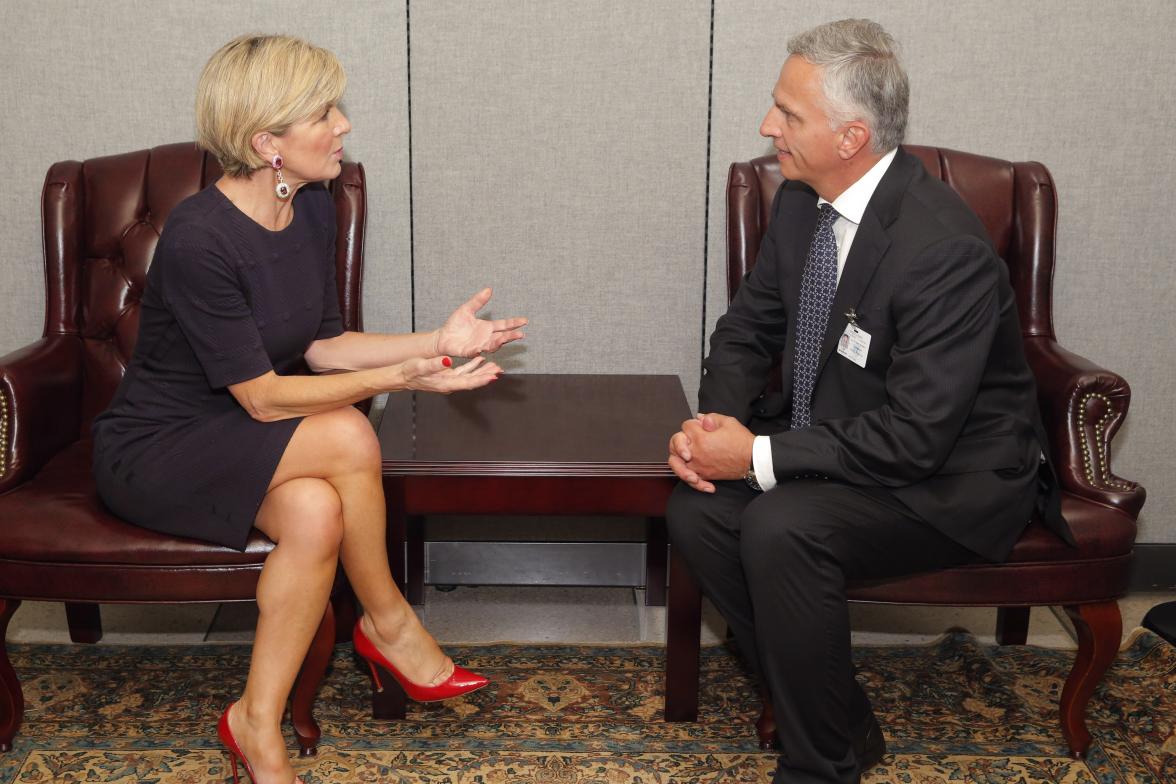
(263, 145)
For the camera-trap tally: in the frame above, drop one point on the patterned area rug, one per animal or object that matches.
(954, 711)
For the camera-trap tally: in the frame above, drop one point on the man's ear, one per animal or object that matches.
(855, 135)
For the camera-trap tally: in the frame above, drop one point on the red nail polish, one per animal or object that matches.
(446, 361)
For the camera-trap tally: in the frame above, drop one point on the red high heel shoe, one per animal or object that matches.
(226, 737)
(462, 681)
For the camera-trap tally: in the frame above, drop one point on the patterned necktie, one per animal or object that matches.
(817, 288)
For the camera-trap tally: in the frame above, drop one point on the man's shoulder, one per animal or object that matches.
(930, 209)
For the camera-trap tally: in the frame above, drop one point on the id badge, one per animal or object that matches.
(854, 344)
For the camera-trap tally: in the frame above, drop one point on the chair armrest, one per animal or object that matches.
(1083, 406)
(40, 394)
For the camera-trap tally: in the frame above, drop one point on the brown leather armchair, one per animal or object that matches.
(1082, 404)
(102, 219)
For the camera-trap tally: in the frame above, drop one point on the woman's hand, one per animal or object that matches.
(465, 335)
(438, 374)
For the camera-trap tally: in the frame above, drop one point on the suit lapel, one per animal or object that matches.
(799, 214)
(869, 246)
(800, 206)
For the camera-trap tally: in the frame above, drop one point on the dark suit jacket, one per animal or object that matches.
(945, 412)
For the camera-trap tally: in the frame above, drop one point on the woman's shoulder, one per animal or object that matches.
(316, 203)
(198, 219)
(315, 198)
(197, 234)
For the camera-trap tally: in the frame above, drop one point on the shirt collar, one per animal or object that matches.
(852, 202)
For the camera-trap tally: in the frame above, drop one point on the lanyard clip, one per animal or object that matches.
(852, 315)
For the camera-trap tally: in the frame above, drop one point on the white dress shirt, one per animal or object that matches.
(850, 206)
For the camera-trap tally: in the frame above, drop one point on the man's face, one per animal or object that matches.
(806, 146)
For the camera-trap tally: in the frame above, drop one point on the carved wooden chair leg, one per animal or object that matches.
(11, 695)
(765, 725)
(84, 621)
(306, 686)
(1012, 625)
(1100, 629)
(683, 633)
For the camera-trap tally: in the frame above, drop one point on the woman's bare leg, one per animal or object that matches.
(304, 518)
(340, 447)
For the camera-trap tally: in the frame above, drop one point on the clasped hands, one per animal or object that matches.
(708, 448)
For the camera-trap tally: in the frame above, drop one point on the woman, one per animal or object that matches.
(211, 431)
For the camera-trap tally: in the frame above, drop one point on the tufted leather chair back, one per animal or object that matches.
(1015, 201)
(102, 219)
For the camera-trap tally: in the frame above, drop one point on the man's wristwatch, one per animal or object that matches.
(752, 482)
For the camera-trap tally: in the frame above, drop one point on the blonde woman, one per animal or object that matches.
(213, 432)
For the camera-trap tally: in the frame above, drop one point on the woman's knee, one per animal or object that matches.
(304, 514)
(344, 438)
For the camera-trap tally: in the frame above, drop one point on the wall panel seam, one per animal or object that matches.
(411, 206)
(710, 87)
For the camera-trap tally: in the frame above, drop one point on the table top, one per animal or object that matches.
(536, 425)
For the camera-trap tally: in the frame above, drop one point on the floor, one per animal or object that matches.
(473, 614)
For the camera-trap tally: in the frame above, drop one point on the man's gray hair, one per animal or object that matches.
(863, 79)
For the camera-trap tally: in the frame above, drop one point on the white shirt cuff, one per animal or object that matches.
(761, 461)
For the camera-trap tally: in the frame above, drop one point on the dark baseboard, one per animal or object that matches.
(1154, 567)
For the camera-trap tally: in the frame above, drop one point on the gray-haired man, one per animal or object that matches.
(914, 444)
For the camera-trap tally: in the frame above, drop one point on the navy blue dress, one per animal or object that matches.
(226, 301)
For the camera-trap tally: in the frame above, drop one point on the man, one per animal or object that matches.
(907, 436)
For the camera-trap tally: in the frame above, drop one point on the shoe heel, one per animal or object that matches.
(461, 681)
(233, 762)
(375, 676)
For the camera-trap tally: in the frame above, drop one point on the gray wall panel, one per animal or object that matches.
(1081, 92)
(559, 154)
(89, 79)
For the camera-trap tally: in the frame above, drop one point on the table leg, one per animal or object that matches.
(655, 562)
(683, 635)
(415, 555)
(346, 608)
(396, 532)
(389, 704)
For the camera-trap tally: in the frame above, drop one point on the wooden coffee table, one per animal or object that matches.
(533, 445)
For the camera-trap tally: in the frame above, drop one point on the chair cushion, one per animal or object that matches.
(1100, 531)
(1041, 570)
(57, 517)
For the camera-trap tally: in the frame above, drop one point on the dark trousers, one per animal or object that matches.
(776, 566)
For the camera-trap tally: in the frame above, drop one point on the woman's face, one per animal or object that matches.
(312, 150)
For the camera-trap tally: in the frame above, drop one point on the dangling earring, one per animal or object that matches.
(282, 190)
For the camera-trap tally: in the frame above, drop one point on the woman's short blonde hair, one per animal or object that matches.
(260, 83)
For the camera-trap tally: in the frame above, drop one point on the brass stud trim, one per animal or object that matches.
(1095, 456)
(3, 434)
